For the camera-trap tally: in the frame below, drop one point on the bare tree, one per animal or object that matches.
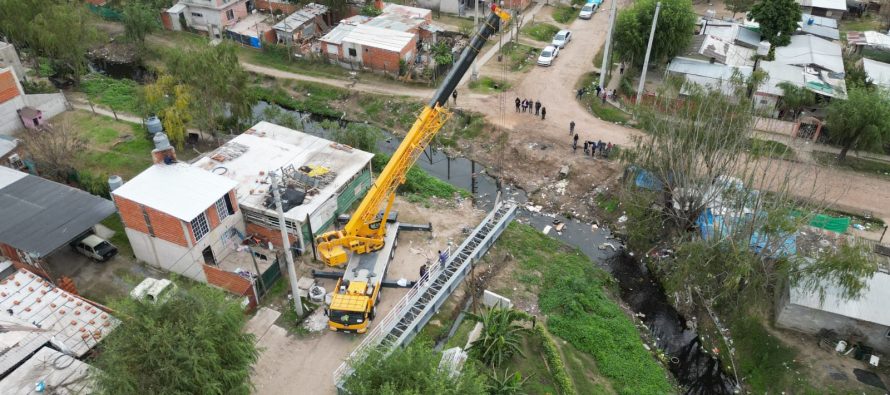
(54, 147)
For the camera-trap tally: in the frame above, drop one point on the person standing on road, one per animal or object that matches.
(517, 104)
(423, 270)
(598, 90)
(454, 96)
(575, 143)
(537, 108)
(592, 148)
(543, 113)
(531, 104)
(621, 68)
(571, 128)
(586, 148)
(580, 92)
(604, 97)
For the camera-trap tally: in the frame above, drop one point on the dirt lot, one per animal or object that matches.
(291, 363)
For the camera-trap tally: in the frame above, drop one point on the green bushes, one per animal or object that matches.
(541, 31)
(564, 14)
(418, 184)
(315, 101)
(119, 95)
(489, 85)
(554, 362)
(573, 298)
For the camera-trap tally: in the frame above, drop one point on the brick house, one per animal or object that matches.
(209, 16)
(370, 47)
(186, 220)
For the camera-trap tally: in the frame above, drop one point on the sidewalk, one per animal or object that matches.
(95, 109)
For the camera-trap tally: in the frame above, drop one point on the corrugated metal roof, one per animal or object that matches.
(821, 31)
(303, 15)
(706, 74)
(38, 215)
(871, 306)
(827, 4)
(180, 190)
(878, 72)
(807, 50)
(779, 73)
(818, 20)
(386, 39)
(336, 35)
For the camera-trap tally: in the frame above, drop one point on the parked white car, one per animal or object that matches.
(562, 38)
(548, 54)
(588, 10)
(94, 247)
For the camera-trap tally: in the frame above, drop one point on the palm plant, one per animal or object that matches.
(508, 384)
(501, 335)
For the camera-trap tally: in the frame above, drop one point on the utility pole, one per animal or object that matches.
(604, 69)
(475, 74)
(285, 242)
(648, 51)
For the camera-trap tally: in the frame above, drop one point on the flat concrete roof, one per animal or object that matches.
(180, 190)
(376, 37)
(871, 306)
(247, 159)
(62, 374)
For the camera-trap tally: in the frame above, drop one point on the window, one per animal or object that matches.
(352, 52)
(197, 14)
(230, 14)
(200, 227)
(221, 209)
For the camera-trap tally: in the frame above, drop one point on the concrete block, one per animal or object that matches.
(491, 299)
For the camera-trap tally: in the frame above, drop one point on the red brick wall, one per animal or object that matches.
(273, 235)
(285, 8)
(166, 20)
(165, 226)
(8, 87)
(379, 59)
(231, 282)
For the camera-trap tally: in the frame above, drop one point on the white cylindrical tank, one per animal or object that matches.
(161, 141)
(841, 346)
(114, 182)
(153, 124)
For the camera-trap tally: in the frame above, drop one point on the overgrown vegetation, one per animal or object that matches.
(412, 370)
(595, 105)
(759, 148)
(540, 31)
(199, 331)
(117, 94)
(419, 185)
(565, 14)
(489, 85)
(519, 57)
(574, 299)
(676, 22)
(314, 98)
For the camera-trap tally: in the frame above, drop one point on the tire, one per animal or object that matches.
(373, 313)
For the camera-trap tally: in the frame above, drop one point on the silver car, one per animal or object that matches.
(548, 54)
(562, 38)
(588, 10)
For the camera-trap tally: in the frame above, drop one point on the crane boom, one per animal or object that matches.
(366, 228)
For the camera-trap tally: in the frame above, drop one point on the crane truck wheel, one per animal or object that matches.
(373, 313)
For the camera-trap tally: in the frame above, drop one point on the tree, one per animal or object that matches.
(862, 122)
(674, 30)
(737, 6)
(795, 98)
(193, 343)
(54, 148)
(139, 21)
(778, 21)
(172, 103)
(65, 32)
(16, 17)
(501, 336)
(412, 370)
(215, 72)
(359, 135)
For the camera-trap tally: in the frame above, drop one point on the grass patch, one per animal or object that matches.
(520, 57)
(607, 203)
(395, 114)
(120, 237)
(533, 366)
(861, 165)
(582, 369)
(119, 95)
(419, 186)
(314, 97)
(489, 85)
(565, 14)
(540, 31)
(873, 54)
(764, 361)
(595, 106)
(759, 148)
(578, 309)
(461, 335)
(859, 24)
(114, 147)
(278, 60)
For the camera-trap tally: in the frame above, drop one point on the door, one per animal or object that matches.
(208, 256)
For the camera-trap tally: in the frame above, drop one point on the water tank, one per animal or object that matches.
(114, 182)
(161, 141)
(763, 48)
(811, 21)
(153, 124)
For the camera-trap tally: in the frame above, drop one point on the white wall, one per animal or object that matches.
(9, 117)
(51, 104)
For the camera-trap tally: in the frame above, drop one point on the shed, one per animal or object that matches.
(40, 216)
(307, 22)
(31, 117)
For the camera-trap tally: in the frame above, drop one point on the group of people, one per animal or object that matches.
(600, 93)
(592, 148)
(526, 105)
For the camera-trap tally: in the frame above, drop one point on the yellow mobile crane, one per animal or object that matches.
(356, 293)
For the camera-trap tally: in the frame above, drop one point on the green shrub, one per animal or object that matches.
(554, 362)
(541, 31)
(419, 183)
(565, 14)
(489, 85)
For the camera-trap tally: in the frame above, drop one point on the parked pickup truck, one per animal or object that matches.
(94, 247)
